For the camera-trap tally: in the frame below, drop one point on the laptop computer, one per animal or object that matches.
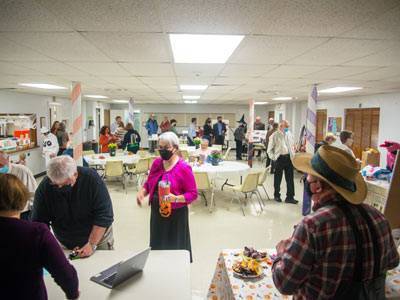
(123, 270)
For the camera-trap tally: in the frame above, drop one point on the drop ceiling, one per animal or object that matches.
(121, 49)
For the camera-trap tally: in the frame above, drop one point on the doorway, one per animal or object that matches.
(364, 122)
(98, 119)
(107, 117)
(320, 130)
(271, 114)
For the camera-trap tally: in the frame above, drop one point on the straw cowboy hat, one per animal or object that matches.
(336, 167)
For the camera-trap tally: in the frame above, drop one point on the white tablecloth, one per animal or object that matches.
(224, 169)
(95, 160)
(165, 276)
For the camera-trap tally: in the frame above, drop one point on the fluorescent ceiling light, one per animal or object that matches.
(340, 89)
(44, 86)
(188, 97)
(282, 98)
(121, 101)
(190, 101)
(96, 96)
(193, 87)
(203, 48)
(260, 103)
(55, 103)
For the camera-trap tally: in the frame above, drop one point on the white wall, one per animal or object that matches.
(12, 102)
(389, 105)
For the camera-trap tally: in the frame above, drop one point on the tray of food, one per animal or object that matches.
(248, 268)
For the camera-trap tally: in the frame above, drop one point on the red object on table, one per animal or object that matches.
(18, 133)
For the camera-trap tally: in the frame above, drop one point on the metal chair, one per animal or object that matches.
(115, 169)
(204, 184)
(226, 155)
(263, 178)
(249, 186)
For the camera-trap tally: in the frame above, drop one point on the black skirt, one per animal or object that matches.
(170, 233)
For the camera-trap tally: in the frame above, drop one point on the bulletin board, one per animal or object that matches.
(334, 125)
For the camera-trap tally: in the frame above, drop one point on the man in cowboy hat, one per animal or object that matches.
(342, 249)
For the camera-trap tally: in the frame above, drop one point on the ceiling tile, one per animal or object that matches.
(314, 17)
(272, 49)
(195, 80)
(131, 47)
(162, 81)
(149, 69)
(232, 80)
(246, 70)
(53, 68)
(125, 81)
(15, 69)
(188, 70)
(388, 57)
(385, 26)
(338, 51)
(102, 15)
(292, 71)
(100, 69)
(11, 51)
(63, 46)
(338, 72)
(22, 15)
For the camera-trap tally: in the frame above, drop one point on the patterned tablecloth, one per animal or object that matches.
(225, 285)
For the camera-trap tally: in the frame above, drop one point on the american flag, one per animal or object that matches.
(311, 121)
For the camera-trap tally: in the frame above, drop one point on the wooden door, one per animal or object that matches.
(107, 117)
(320, 130)
(364, 122)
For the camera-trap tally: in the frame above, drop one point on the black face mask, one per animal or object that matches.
(165, 154)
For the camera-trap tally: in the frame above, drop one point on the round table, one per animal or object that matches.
(95, 159)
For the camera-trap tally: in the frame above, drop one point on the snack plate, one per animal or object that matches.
(244, 276)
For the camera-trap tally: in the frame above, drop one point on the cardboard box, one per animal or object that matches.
(370, 158)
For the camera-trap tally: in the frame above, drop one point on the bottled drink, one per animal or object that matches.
(163, 191)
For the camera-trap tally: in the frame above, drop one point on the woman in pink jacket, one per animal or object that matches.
(169, 221)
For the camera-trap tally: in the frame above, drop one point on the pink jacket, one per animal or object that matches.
(180, 176)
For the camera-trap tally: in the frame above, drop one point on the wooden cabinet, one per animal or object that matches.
(364, 122)
(320, 130)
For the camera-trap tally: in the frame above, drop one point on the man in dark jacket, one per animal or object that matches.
(219, 129)
(75, 202)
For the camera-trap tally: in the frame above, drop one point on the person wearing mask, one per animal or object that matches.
(50, 145)
(131, 136)
(54, 127)
(169, 232)
(151, 125)
(173, 126)
(208, 131)
(280, 150)
(219, 130)
(240, 135)
(165, 125)
(344, 248)
(75, 202)
(192, 132)
(105, 139)
(270, 124)
(269, 133)
(329, 139)
(28, 247)
(62, 138)
(116, 124)
(258, 125)
(347, 140)
(24, 174)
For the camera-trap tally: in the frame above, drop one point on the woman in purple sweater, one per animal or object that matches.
(28, 247)
(169, 231)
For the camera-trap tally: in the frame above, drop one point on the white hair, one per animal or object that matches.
(170, 138)
(61, 168)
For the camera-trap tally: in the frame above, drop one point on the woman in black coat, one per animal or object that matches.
(131, 136)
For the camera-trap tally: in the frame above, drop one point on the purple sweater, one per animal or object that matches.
(25, 249)
(181, 178)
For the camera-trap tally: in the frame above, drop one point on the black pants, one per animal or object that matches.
(239, 149)
(219, 139)
(190, 141)
(284, 164)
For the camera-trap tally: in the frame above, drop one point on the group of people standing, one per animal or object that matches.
(119, 134)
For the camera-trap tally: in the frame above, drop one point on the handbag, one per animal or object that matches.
(357, 289)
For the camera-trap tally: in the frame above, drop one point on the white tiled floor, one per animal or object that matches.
(209, 232)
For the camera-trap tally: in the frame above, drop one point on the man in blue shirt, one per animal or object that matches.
(219, 131)
(151, 125)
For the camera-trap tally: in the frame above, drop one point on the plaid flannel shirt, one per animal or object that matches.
(321, 252)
